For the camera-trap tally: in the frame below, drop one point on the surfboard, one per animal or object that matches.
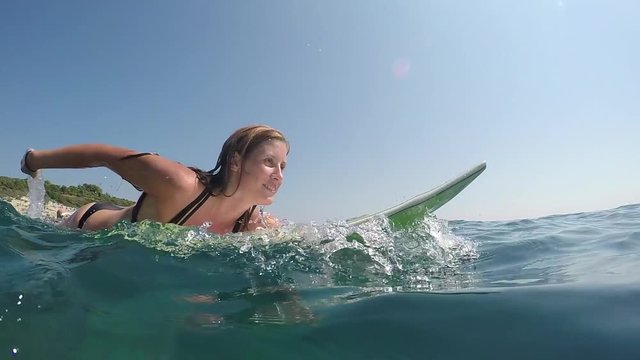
(406, 213)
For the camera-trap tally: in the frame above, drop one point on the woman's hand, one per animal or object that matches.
(24, 165)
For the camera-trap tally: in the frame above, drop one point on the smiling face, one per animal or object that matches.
(262, 171)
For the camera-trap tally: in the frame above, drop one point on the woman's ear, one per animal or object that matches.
(235, 163)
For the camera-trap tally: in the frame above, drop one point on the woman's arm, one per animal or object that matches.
(154, 174)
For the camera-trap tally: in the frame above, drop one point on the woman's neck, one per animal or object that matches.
(225, 211)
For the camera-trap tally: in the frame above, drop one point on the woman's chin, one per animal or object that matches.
(266, 201)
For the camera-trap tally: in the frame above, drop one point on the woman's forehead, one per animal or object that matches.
(272, 147)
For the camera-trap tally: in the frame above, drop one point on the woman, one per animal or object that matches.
(249, 172)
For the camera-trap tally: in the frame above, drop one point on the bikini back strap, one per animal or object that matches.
(190, 209)
(133, 156)
(136, 207)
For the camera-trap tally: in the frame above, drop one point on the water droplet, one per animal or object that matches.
(244, 248)
(15, 351)
(19, 302)
(20, 297)
(19, 319)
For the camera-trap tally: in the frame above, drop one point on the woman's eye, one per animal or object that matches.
(270, 162)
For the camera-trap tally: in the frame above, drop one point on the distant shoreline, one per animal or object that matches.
(59, 200)
(21, 204)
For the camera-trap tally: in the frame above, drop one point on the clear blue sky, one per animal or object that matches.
(381, 100)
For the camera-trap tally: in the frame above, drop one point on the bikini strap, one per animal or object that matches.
(136, 207)
(190, 209)
(133, 156)
(243, 220)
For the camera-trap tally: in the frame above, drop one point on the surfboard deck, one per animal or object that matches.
(406, 213)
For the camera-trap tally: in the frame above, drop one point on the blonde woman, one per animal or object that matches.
(248, 173)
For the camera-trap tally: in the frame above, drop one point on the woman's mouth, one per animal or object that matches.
(271, 188)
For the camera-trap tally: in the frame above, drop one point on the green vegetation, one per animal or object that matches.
(73, 196)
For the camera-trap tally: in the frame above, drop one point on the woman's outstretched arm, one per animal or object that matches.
(154, 174)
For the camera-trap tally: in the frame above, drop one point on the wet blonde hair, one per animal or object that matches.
(242, 142)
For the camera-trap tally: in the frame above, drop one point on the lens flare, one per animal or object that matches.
(400, 68)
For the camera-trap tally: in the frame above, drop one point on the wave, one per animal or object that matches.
(428, 256)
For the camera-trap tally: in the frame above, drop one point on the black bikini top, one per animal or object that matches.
(181, 217)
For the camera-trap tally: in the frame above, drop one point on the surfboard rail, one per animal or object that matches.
(405, 213)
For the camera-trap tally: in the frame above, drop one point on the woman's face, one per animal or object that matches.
(263, 171)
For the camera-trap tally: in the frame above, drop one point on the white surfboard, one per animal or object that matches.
(408, 212)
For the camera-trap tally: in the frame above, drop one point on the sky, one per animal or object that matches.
(380, 100)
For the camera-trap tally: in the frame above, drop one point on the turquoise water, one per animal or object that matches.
(565, 286)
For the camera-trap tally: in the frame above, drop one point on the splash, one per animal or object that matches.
(426, 256)
(36, 196)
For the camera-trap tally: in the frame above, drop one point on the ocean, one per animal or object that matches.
(557, 287)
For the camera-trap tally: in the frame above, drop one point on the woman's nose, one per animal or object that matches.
(278, 174)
